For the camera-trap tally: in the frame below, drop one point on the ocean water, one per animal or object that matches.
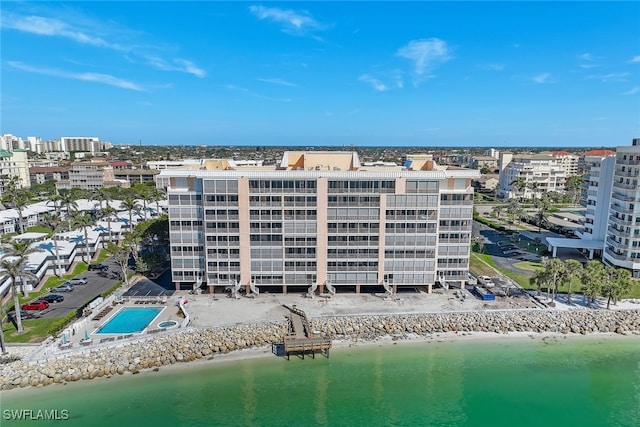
(524, 382)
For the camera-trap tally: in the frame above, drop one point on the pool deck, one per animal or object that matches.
(97, 319)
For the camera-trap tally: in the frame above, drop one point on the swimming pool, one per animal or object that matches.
(130, 320)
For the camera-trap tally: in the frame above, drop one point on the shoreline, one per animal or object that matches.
(248, 341)
(448, 338)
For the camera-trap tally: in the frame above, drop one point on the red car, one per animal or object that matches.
(35, 305)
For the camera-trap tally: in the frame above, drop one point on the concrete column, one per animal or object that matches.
(429, 288)
(555, 252)
(322, 188)
(358, 288)
(245, 242)
(381, 237)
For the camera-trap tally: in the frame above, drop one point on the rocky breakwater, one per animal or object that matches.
(152, 353)
(565, 322)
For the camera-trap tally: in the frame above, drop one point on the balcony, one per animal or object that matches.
(623, 197)
(612, 254)
(624, 186)
(618, 208)
(620, 161)
(619, 221)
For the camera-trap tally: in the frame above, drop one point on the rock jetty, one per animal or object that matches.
(193, 344)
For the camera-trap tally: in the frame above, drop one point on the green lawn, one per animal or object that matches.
(102, 255)
(38, 229)
(35, 330)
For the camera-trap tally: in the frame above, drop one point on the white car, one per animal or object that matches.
(77, 281)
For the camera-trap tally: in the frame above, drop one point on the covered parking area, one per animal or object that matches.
(553, 243)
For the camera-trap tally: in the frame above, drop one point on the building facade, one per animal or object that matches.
(14, 164)
(596, 195)
(539, 174)
(622, 247)
(80, 143)
(90, 175)
(318, 220)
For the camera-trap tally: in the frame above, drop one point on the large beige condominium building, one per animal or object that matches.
(14, 164)
(537, 174)
(90, 176)
(317, 219)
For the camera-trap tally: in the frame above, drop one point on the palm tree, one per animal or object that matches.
(101, 196)
(534, 186)
(539, 279)
(616, 282)
(555, 270)
(107, 213)
(514, 210)
(68, 202)
(156, 196)
(592, 277)
(143, 192)
(519, 184)
(54, 200)
(84, 221)
(13, 268)
(543, 205)
(17, 197)
(130, 204)
(573, 268)
(54, 221)
(497, 210)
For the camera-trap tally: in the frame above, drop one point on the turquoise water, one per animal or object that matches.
(564, 382)
(130, 320)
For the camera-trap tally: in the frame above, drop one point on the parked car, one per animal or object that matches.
(52, 298)
(99, 267)
(24, 315)
(77, 281)
(36, 305)
(62, 288)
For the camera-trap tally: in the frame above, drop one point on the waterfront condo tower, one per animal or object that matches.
(320, 219)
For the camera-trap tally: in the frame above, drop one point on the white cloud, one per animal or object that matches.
(277, 82)
(43, 26)
(611, 77)
(636, 89)
(375, 83)
(293, 23)
(492, 66)
(541, 78)
(255, 94)
(635, 59)
(90, 77)
(425, 53)
(181, 65)
(187, 66)
(51, 27)
(586, 57)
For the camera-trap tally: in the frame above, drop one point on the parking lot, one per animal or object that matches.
(98, 282)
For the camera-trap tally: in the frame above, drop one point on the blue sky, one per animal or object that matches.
(323, 73)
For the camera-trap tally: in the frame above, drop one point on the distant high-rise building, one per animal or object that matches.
(80, 143)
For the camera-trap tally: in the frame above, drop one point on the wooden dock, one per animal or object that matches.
(300, 339)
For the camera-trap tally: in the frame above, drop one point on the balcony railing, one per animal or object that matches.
(612, 254)
(619, 220)
(624, 186)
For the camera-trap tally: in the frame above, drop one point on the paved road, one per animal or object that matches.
(83, 294)
(491, 239)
